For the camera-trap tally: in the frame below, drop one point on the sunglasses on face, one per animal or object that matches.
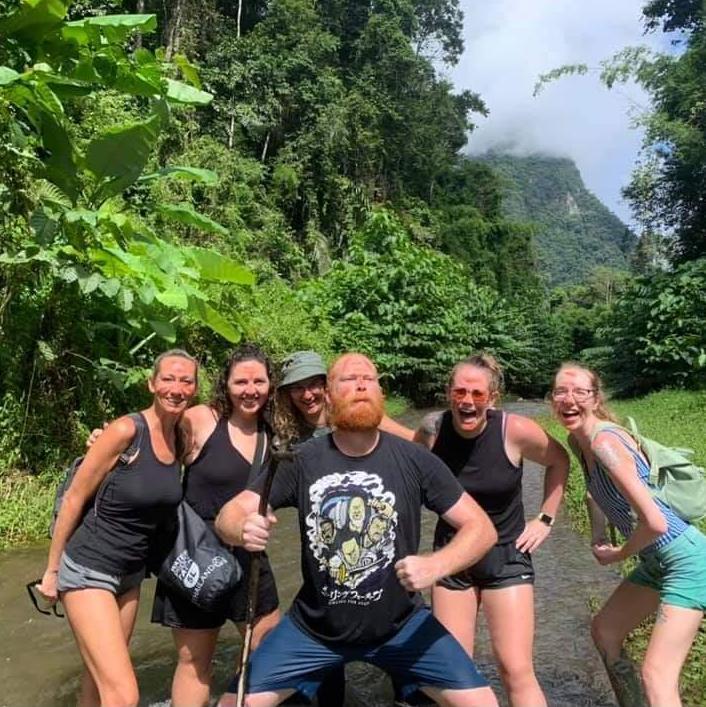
(40, 603)
(479, 397)
(580, 395)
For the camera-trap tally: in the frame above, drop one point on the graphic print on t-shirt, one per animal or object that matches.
(351, 528)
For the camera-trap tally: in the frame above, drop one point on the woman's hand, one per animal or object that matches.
(607, 554)
(47, 588)
(534, 534)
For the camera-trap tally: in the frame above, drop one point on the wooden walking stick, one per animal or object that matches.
(278, 453)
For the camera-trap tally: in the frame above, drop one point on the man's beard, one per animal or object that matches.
(356, 415)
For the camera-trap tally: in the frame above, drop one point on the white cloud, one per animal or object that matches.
(509, 43)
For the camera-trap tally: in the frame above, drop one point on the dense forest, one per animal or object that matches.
(574, 231)
(293, 172)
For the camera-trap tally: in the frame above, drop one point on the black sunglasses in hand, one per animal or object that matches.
(41, 604)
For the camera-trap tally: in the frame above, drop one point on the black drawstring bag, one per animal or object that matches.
(199, 567)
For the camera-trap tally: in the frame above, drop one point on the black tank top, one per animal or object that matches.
(482, 467)
(217, 474)
(133, 502)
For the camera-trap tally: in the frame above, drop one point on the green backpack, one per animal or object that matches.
(674, 478)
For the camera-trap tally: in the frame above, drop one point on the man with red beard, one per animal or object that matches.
(360, 597)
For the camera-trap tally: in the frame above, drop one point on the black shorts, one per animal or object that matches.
(503, 566)
(171, 610)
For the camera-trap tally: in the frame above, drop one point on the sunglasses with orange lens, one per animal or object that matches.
(479, 397)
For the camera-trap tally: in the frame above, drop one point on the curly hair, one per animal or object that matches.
(288, 421)
(221, 401)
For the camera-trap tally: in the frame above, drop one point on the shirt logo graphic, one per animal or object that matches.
(351, 526)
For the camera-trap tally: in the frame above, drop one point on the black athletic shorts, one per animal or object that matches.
(503, 566)
(171, 610)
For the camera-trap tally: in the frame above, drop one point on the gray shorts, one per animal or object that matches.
(75, 576)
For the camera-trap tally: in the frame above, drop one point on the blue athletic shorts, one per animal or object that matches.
(421, 654)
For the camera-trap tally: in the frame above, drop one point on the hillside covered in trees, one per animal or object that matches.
(575, 232)
(290, 172)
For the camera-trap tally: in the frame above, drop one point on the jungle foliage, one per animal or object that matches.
(289, 171)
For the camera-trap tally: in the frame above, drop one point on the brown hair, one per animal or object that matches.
(221, 402)
(602, 411)
(288, 421)
(487, 363)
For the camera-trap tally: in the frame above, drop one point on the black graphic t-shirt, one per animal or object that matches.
(357, 517)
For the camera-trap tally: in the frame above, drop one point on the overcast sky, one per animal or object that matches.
(509, 43)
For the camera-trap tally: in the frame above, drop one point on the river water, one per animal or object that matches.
(39, 664)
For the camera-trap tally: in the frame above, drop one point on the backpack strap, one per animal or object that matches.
(260, 453)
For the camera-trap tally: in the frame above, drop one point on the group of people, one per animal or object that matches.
(358, 480)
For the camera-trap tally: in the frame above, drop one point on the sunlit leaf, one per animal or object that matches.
(196, 174)
(165, 330)
(7, 75)
(183, 213)
(174, 297)
(179, 92)
(220, 268)
(214, 320)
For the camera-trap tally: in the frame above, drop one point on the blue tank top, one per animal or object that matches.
(616, 508)
(135, 501)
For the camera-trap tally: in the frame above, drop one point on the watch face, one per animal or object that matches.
(546, 519)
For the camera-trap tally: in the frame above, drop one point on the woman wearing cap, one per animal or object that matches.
(300, 403)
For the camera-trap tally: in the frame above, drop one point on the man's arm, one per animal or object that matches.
(475, 535)
(239, 523)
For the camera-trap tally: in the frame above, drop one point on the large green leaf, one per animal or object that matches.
(173, 297)
(115, 28)
(8, 75)
(34, 18)
(60, 162)
(195, 174)
(118, 156)
(213, 319)
(183, 213)
(179, 92)
(188, 70)
(165, 330)
(217, 267)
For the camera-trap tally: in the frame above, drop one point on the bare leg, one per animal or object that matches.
(263, 625)
(192, 678)
(477, 697)
(267, 699)
(510, 615)
(457, 611)
(626, 608)
(111, 680)
(673, 634)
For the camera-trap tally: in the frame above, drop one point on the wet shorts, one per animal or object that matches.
(503, 566)
(75, 576)
(169, 609)
(421, 654)
(677, 571)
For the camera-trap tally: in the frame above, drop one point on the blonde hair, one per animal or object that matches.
(486, 363)
(175, 353)
(602, 411)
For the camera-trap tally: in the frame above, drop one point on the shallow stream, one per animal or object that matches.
(40, 666)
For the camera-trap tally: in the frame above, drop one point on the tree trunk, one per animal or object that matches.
(237, 25)
(266, 145)
(140, 11)
(173, 30)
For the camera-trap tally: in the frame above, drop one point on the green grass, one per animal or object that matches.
(396, 405)
(25, 508)
(676, 418)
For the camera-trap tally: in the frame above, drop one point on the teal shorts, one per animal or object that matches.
(677, 571)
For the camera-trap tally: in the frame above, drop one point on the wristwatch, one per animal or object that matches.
(545, 518)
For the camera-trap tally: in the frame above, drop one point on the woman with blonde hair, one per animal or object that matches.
(670, 576)
(485, 448)
(98, 559)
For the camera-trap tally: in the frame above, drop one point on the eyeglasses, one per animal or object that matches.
(41, 604)
(479, 397)
(299, 388)
(580, 395)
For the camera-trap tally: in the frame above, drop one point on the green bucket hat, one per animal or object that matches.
(299, 366)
